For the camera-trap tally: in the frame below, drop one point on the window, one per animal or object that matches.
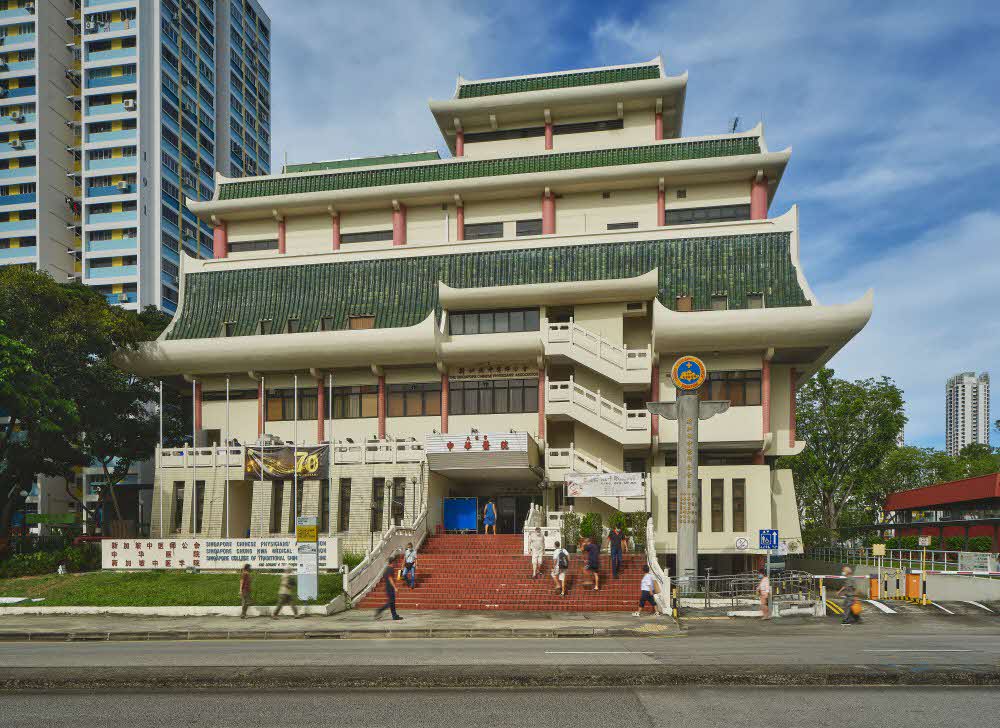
(356, 323)
(742, 389)
(720, 302)
(264, 327)
(398, 505)
(178, 505)
(344, 511)
(292, 326)
(228, 328)
(199, 504)
(327, 324)
(248, 246)
(378, 504)
(281, 404)
(483, 230)
(493, 396)
(685, 303)
(324, 506)
(739, 505)
(718, 486)
(721, 213)
(493, 322)
(414, 400)
(585, 126)
(529, 227)
(671, 506)
(277, 499)
(355, 402)
(369, 237)
(682, 194)
(755, 300)
(504, 134)
(622, 225)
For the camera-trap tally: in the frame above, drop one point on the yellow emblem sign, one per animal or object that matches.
(688, 373)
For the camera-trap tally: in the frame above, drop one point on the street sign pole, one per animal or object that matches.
(307, 545)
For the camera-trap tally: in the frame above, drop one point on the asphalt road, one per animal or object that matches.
(703, 707)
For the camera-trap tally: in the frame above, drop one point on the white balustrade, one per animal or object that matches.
(344, 453)
(598, 346)
(573, 393)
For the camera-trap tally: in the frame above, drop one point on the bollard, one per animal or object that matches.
(897, 586)
(923, 588)
(673, 602)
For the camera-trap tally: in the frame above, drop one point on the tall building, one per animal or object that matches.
(111, 113)
(428, 331)
(966, 411)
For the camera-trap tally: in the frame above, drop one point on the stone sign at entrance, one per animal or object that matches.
(212, 553)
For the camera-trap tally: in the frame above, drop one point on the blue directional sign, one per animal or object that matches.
(769, 539)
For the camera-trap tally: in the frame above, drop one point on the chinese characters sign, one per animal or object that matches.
(212, 553)
(282, 461)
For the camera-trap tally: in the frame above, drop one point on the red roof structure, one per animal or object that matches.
(957, 491)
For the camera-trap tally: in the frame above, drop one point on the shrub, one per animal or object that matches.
(592, 526)
(570, 530)
(353, 558)
(618, 519)
(636, 528)
(85, 557)
(955, 543)
(981, 544)
(909, 542)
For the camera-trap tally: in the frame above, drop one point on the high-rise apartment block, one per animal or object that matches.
(967, 411)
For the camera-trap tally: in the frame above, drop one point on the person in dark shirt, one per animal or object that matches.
(390, 592)
(593, 561)
(617, 543)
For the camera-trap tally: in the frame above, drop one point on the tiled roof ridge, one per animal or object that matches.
(373, 160)
(646, 70)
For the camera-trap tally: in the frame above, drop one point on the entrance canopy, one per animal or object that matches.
(493, 456)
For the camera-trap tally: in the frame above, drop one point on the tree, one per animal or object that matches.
(850, 428)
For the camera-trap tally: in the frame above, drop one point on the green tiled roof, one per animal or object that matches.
(561, 80)
(401, 290)
(666, 152)
(363, 162)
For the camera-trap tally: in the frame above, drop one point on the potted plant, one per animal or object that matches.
(591, 527)
(570, 531)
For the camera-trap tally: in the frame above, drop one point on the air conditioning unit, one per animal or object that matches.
(129, 104)
(29, 6)
(123, 186)
(17, 144)
(91, 26)
(122, 298)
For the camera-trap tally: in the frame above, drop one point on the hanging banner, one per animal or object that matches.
(604, 485)
(279, 462)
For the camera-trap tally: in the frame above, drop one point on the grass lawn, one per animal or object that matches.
(151, 589)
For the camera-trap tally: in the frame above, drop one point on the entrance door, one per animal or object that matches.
(507, 514)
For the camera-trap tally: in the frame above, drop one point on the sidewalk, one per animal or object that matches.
(352, 624)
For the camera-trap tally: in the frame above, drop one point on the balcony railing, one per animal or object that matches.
(593, 402)
(16, 39)
(344, 453)
(17, 199)
(23, 252)
(113, 271)
(109, 136)
(112, 53)
(24, 146)
(14, 13)
(599, 346)
(105, 109)
(101, 246)
(110, 190)
(12, 172)
(111, 80)
(111, 162)
(17, 225)
(103, 217)
(6, 120)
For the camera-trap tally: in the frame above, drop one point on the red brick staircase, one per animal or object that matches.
(490, 573)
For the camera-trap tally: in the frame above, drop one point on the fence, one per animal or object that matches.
(734, 590)
(898, 558)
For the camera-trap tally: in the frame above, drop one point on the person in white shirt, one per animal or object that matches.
(647, 588)
(560, 564)
(536, 547)
(764, 591)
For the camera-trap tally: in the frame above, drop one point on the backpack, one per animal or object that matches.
(563, 559)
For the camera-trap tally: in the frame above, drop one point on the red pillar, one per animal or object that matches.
(658, 126)
(381, 407)
(399, 224)
(765, 395)
(444, 404)
(758, 199)
(335, 223)
(220, 240)
(459, 143)
(541, 404)
(460, 222)
(320, 410)
(548, 213)
(654, 396)
(791, 411)
(261, 406)
(281, 236)
(548, 135)
(197, 407)
(661, 206)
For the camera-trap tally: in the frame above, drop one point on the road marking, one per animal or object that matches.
(881, 607)
(626, 652)
(981, 606)
(833, 607)
(942, 608)
(897, 650)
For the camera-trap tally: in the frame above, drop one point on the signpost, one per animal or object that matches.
(769, 539)
(307, 542)
(687, 374)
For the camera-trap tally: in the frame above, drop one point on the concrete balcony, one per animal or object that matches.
(18, 172)
(112, 54)
(16, 226)
(378, 451)
(737, 428)
(102, 81)
(569, 400)
(619, 364)
(111, 163)
(11, 255)
(111, 136)
(113, 271)
(116, 217)
(26, 198)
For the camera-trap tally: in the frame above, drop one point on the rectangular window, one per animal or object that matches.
(622, 225)
(586, 126)
(483, 230)
(718, 485)
(739, 505)
(720, 302)
(742, 388)
(685, 304)
(755, 300)
(178, 505)
(414, 400)
(355, 402)
(672, 506)
(277, 499)
(694, 215)
(199, 503)
(281, 404)
(249, 246)
(357, 323)
(493, 322)
(529, 227)
(493, 396)
(398, 500)
(369, 237)
(344, 511)
(378, 504)
(292, 326)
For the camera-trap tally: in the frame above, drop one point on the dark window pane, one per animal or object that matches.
(471, 323)
(517, 320)
(531, 319)
(501, 322)
(456, 323)
(486, 323)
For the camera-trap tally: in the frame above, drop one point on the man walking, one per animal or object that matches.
(848, 592)
(593, 564)
(647, 589)
(285, 596)
(560, 564)
(410, 566)
(536, 547)
(390, 593)
(617, 544)
(246, 590)
(764, 592)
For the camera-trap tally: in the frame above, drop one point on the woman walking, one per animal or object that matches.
(490, 517)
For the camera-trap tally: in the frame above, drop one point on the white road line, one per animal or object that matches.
(895, 650)
(942, 608)
(556, 652)
(981, 606)
(881, 606)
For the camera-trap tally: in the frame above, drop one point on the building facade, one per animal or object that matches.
(966, 411)
(484, 326)
(111, 113)
(957, 510)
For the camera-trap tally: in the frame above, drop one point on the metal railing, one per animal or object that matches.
(736, 589)
(932, 560)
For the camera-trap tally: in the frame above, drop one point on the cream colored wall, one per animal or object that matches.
(589, 212)
(238, 231)
(522, 422)
(636, 331)
(364, 221)
(308, 234)
(242, 419)
(596, 445)
(426, 225)
(416, 427)
(411, 375)
(781, 405)
(596, 383)
(507, 211)
(605, 319)
(784, 507)
(703, 195)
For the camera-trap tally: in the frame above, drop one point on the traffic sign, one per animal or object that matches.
(742, 543)
(878, 549)
(769, 539)
(924, 540)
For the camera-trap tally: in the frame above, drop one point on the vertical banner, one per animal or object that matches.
(307, 543)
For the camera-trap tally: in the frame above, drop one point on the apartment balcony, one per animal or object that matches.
(7, 120)
(10, 255)
(123, 80)
(121, 298)
(569, 400)
(109, 55)
(114, 245)
(96, 3)
(15, 13)
(13, 40)
(17, 147)
(111, 163)
(374, 452)
(14, 226)
(114, 271)
(14, 93)
(115, 26)
(111, 136)
(27, 198)
(7, 70)
(18, 173)
(102, 218)
(112, 190)
(106, 109)
(619, 364)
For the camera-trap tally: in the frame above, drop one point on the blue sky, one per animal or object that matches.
(891, 109)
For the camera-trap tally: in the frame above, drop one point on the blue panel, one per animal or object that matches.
(461, 514)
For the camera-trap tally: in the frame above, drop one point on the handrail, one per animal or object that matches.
(623, 357)
(659, 574)
(363, 577)
(573, 393)
(931, 559)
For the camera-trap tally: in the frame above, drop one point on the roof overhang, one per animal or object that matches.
(639, 288)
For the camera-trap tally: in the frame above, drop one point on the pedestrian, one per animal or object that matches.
(536, 547)
(285, 596)
(849, 594)
(410, 566)
(617, 544)
(390, 592)
(246, 590)
(593, 562)
(764, 592)
(648, 588)
(490, 517)
(560, 564)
